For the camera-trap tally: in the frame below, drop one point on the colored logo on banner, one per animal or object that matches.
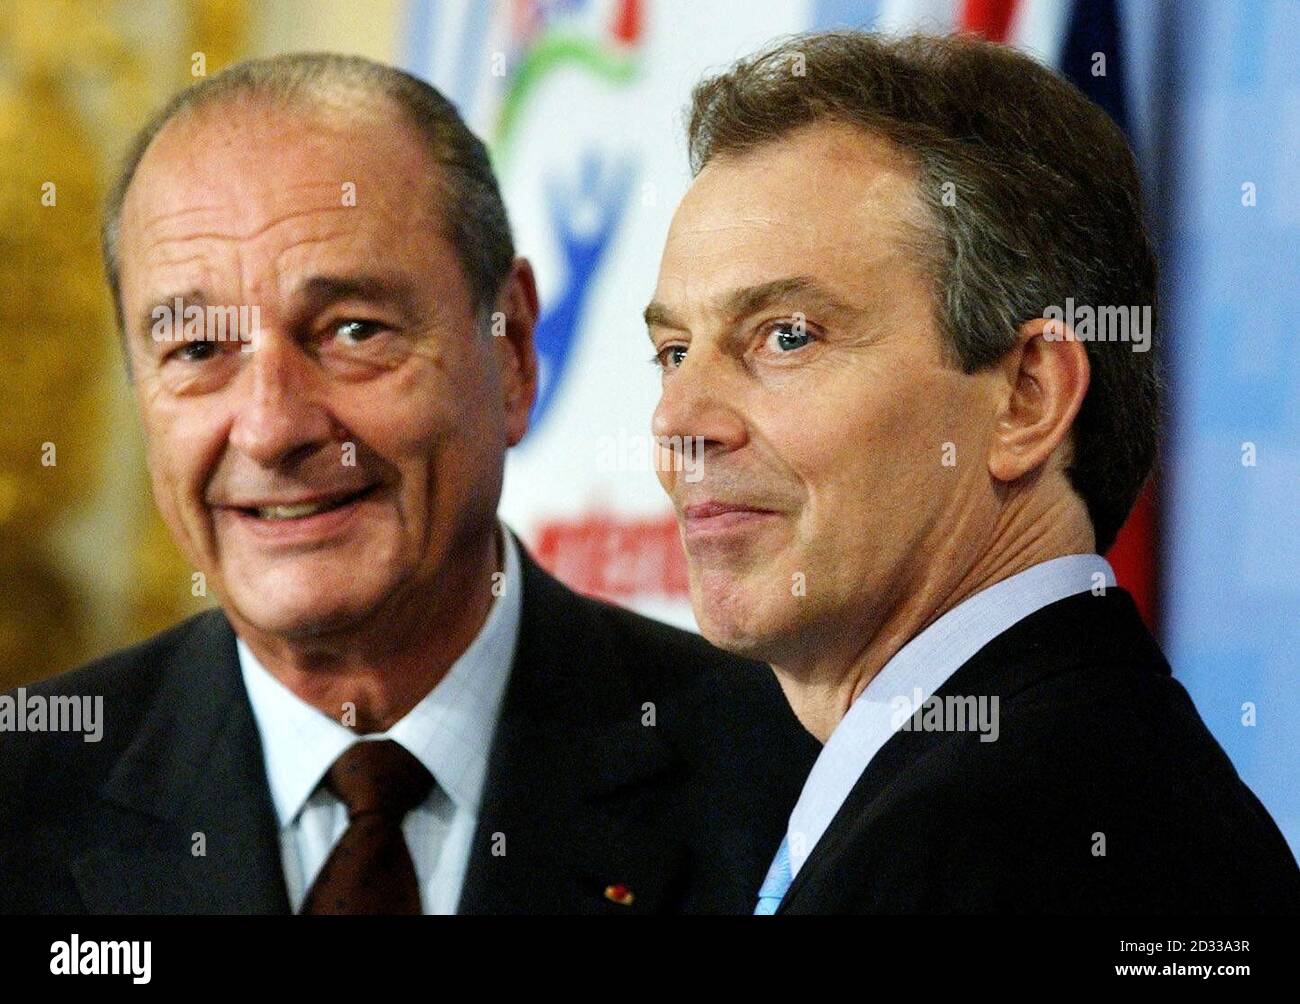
(585, 211)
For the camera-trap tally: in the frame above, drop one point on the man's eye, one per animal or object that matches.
(195, 352)
(353, 332)
(787, 336)
(670, 356)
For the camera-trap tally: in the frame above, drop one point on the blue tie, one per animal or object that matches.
(777, 882)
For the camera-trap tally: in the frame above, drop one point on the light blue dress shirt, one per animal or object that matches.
(450, 731)
(912, 676)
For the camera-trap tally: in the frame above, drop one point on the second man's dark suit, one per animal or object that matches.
(1103, 793)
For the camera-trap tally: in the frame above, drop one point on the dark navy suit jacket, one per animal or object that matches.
(685, 813)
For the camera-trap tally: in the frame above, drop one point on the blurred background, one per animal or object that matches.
(581, 102)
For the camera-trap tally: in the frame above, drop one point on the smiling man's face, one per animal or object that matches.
(798, 337)
(353, 458)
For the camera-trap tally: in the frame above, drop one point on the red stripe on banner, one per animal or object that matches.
(1134, 555)
(627, 22)
(990, 18)
(615, 556)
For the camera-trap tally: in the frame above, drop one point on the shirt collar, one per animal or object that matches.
(450, 731)
(920, 668)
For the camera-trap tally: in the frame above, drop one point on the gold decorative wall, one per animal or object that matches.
(85, 562)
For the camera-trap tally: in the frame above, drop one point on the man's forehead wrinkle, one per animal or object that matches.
(842, 242)
(167, 263)
(187, 289)
(162, 259)
(788, 223)
(302, 198)
(743, 221)
(878, 200)
(177, 254)
(169, 190)
(166, 220)
(317, 239)
(170, 252)
(388, 193)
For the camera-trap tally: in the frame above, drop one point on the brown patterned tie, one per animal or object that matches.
(370, 869)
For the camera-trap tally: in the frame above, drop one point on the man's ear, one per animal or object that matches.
(511, 330)
(1046, 377)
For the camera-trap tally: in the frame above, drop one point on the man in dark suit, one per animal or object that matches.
(599, 812)
(395, 710)
(906, 306)
(1104, 793)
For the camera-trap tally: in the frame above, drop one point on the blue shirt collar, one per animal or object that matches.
(916, 671)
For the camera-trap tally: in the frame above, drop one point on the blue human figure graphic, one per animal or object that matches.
(585, 217)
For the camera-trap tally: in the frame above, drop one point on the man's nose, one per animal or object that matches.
(280, 409)
(699, 399)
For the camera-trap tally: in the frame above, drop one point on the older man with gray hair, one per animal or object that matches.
(395, 710)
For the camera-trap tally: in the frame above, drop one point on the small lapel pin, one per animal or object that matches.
(619, 894)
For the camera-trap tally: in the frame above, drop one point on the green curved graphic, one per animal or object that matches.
(548, 55)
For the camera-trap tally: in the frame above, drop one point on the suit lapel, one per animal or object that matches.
(188, 821)
(568, 752)
(1055, 639)
(188, 825)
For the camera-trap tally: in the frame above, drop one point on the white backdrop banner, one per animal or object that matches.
(581, 102)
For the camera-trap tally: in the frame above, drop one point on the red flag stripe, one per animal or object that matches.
(990, 18)
(1134, 553)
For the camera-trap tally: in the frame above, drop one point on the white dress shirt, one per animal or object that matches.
(450, 731)
(920, 668)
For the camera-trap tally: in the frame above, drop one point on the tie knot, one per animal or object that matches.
(379, 776)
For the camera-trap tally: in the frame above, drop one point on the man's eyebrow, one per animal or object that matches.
(193, 297)
(322, 290)
(318, 292)
(796, 290)
(657, 315)
(739, 303)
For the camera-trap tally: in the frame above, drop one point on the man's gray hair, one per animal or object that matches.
(471, 209)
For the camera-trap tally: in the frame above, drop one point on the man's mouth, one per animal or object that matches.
(272, 511)
(713, 521)
(713, 509)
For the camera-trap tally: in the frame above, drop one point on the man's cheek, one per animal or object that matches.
(172, 484)
(663, 471)
(172, 515)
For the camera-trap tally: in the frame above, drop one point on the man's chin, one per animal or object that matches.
(728, 604)
(754, 620)
(738, 643)
(307, 616)
(306, 623)
(740, 632)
